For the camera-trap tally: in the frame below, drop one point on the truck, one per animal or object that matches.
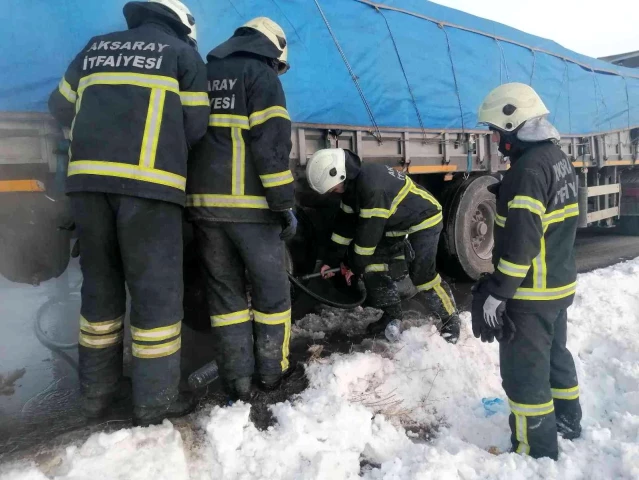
(396, 81)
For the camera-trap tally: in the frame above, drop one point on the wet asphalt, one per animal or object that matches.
(39, 394)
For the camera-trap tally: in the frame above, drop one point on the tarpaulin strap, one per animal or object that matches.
(352, 74)
(503, 58)
(560, 90)
(532, 71)
(625, 82)
(452, 65)
(603, 101)
(569, 106)
(401, 65)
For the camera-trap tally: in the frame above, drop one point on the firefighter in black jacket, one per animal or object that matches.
(523, 304)
(135, 101)
(381, 208)
(240, 191)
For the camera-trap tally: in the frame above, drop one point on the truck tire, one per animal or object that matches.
(467, 240)
(629, 225)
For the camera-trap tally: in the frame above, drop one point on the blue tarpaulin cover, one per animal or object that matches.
(410, 71)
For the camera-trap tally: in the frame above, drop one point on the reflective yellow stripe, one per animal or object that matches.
(521, 433)
(124, 170)
(194, 99)
(376, 267)
(401, 195)
(571, 210)
(500, 221)
(127, 78)
(272, 318)
(528, 203)
(400, 257)
(258, 118)
(428, 223)
(276, 179)
(237, 174)
(565, 393)
(374, 212)
(66, 91)
(101, 328)
(226, 201)
(445, 299)
(529, 410)
(539, 267)
(425, 195)
(101, 341)
(286, 344)
(345, 208)
(341, 240)
(512, 269)
(156, 334)
(364, 250)
(152, 128)
(429, 285)
(545, 293)
(232, 318)
(228, 121)
(156, 351)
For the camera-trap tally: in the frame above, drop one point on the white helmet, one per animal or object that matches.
(326, 169)
(510, 105)
(276, 35)
(134, 12)
(183, 12)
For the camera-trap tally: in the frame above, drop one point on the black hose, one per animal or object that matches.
(326, 301)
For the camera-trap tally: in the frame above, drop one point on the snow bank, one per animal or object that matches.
(413, 410)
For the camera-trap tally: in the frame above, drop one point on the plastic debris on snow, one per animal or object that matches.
(414, 412)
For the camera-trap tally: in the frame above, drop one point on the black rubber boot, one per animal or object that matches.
(268, 383)
(391, 312)
(451, 328)
(97, 407)
(239, 389)
(145, 416)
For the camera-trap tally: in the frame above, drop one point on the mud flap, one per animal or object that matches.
(33, 248)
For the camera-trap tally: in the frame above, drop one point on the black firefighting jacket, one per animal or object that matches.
(536, 224)
(379, 203)
(135, 101)
(240, 172)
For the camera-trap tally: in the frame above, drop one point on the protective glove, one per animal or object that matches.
(289, 225)
(344, 270)
(489, 317)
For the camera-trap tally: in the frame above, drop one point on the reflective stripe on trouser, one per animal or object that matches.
(140, 241)
(435, 292)
(227, 250)
(535, 361)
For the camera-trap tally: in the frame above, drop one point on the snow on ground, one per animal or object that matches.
(413, 410)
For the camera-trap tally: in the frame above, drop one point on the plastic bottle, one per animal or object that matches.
(493, 405)
(393, 331)
(203, 376)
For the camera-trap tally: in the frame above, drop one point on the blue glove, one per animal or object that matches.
(289, 225)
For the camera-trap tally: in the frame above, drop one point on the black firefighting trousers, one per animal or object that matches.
(229, 252)
(389, 265)
(137, 242)
(539, 377)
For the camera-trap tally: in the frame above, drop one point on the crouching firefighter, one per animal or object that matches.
(240, 198)
(523, 304)
(135, 100)
(383, 215)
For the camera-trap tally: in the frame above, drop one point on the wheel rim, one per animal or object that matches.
(481, 230)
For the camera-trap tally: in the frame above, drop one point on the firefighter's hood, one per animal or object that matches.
(248, 41)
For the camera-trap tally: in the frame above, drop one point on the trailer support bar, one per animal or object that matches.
(21, 186)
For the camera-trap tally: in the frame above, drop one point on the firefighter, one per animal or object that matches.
(523, 303)
(135, 101)
(383, 215)
(240, 196)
